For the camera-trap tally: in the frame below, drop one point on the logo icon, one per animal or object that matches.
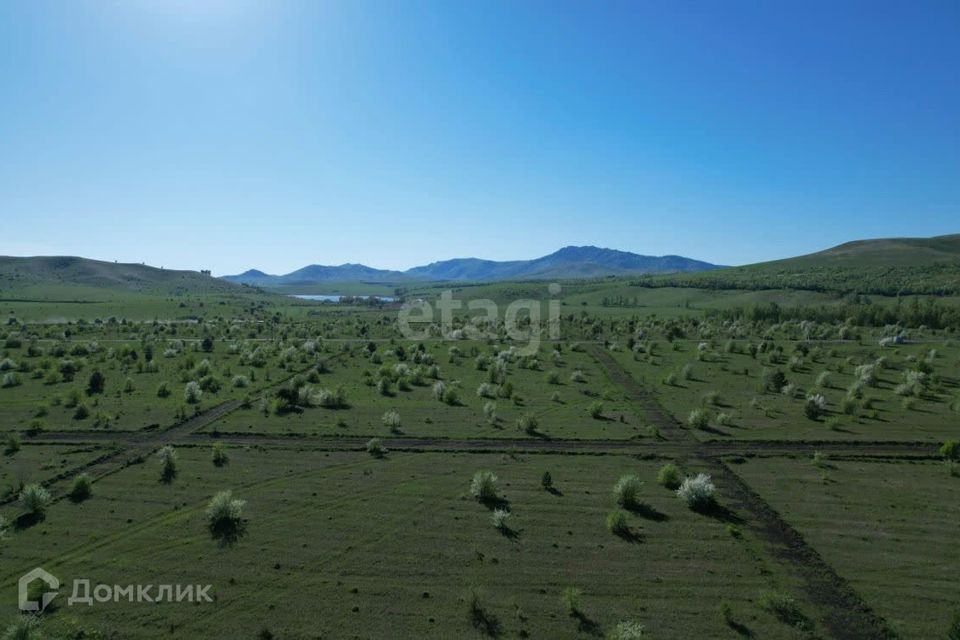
(46, 598)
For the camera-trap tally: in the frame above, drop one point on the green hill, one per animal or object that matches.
(888, 266)
(71, 278)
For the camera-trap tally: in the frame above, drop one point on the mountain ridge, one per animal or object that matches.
(567, 262)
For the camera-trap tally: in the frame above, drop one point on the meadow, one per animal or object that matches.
(360, 466)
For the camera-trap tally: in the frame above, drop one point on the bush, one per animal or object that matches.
(483, 487)
(528, 423)
(712, 398)
(784, 608)
(577, 376)
(815, 406)
(499, 518)
(192, 392)
(486, 390)
(697, 492)
(546, 481)
(553, 377)
(219, 454)
(439, 389)
(571, 600)
(773, 380)
(35, 499)
(336, 399)
(11, 379)
(490, 411)
(163, 390)
(617, 523)
(96, 384)
(224, 513)
(595, 409)
(81, 412)
(950, 450)
(82, 488)
(375, 448)
(168, 463)
(12, 444)
(670, 476)
(391, 420)
(698, 419)
(627, 490)
(627, 630)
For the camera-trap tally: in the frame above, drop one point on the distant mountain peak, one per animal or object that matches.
(565, 263)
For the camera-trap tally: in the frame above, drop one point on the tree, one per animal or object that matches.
(546, 480)
(168, 463)
(96, 383)
(207, 344)
(35, 499)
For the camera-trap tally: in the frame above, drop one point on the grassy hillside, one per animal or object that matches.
(70, 278)
(888, 266)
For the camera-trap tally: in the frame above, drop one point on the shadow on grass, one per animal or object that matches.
(27, 520)
(587, 625)
(719, 512)
(228, 532)
(495, 503)
(714, 431)
(648, 512)
(554, 491)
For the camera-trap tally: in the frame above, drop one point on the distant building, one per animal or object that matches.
(205, 272)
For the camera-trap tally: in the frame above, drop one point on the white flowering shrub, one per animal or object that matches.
(499, 518)
(697, 492)
(192, 392)
(35, 499)
(439, 389)
(224, 511)
(168, 463)
(627, 630)
(486, 390)
(484, 486)
(627, 490)
(391, 420)
(698, 419)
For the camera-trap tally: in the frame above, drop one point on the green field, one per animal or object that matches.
(335, 541)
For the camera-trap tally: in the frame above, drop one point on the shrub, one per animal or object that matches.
(163, 390)
(483, 487)
(486, 390)
(219, 454)
(439, 390)
(553, 377)
(784, 608)
(712, 398)
(697, 492)
(670, 476)
(168, 463)
(375, 448)
(451, 397)
(11, 379)
(577, 376)
(773, 380)
(528, 423)
(698, 419)
(950, 450)
(670, 380)
(627, 490)
(82, 488)
(490, 411)
(499, 518)
(595, 409)
(814, 406)
(240, 382)
(224, 513)
(571, 600)
(546, 481)
(335, 399)
(12, 444)
(391, 420)
(35, 499)
(724, 419)
(824, 380)
(617, 523)
(192, 392)
(687, 372)
(627, 630)
(96, 383)
(81, 412)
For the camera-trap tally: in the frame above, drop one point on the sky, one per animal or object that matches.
(230, 135)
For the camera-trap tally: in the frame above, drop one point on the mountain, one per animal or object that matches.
(885, 266)
(67, 275)
(569, 262)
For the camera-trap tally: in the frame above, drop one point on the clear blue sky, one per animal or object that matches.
(277, 134)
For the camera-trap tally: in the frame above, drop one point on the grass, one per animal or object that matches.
(887, 527)
(428, 539)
